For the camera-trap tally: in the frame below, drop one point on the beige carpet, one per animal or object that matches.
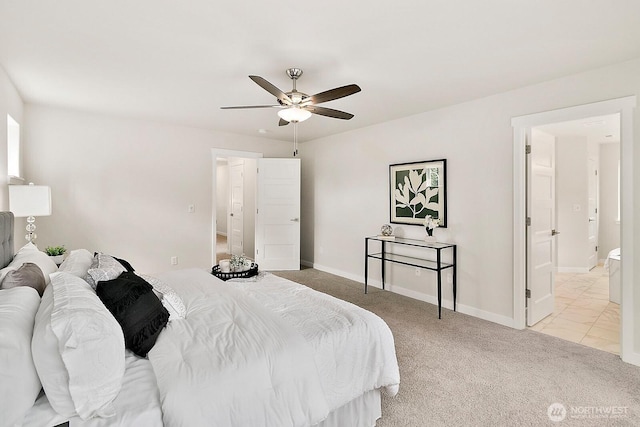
(463, 371)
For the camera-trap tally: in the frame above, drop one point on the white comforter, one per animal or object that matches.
(266, 353)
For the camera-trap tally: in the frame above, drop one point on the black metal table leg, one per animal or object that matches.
(383, 262)
(455, 267)
(439, 285)
(366, 263)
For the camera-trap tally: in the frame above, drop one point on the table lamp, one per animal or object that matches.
(30, 201)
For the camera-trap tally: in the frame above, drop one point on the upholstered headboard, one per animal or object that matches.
(6, 237)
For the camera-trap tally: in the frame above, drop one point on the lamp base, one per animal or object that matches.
(31, 228)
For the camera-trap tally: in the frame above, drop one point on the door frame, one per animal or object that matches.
(215, 153)
(521, 133)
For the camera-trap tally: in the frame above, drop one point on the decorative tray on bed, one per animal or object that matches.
(252, 271)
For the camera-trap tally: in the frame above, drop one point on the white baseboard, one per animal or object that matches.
(448, 304)
(431, 299)
(633, 359)
(573, 270)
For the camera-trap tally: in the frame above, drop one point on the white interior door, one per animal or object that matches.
(236, 207)
(541, 206)
(593, 214)
(278, 214)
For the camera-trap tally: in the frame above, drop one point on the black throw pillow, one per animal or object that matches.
(138, 310)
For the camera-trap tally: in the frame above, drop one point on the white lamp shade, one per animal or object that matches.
(294, 114)
(30, 200)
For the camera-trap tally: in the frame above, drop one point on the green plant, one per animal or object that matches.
(55, 250)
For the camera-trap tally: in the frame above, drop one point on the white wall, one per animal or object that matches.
(222, 196)
(572, 201)
(609, 232)
(10, 103)
(345, 186)
(123, 186)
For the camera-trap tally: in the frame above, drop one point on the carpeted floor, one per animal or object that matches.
(463, 371)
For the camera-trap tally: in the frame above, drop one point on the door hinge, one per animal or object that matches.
(596, 172)
(257, 170)
(257, 211)
(528, 220)
(596, 249)
(527, 293)
(527, 149)
(596, 210)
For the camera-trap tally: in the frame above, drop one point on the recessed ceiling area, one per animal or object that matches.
(180, 62)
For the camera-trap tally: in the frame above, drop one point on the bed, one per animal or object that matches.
(258, 352)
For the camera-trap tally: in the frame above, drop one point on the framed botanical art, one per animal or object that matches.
(418, 189)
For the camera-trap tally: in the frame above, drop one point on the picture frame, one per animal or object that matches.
(416, 190)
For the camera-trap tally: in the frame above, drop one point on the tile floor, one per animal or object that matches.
(583, 312)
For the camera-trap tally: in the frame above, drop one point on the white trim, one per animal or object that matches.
(521, 126)
(336, 272)
(431, 299)
(215, 153)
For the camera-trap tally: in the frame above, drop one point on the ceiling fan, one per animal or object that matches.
(297, 106)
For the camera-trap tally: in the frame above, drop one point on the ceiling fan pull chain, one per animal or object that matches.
(295, 139)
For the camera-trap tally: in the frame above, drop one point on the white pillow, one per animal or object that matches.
(171, 301)
(20, 384)
(107, 268)
(78, 349)
(30, 253)
(77, 263)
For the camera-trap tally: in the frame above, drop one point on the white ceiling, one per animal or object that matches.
(180, 61)
(599, 129)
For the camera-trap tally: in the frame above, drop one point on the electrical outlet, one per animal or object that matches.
(418, 271)
(174, 260)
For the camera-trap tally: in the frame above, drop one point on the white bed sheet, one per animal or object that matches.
(137, 404)
(231, 362)
(213, 367)
(352, 347)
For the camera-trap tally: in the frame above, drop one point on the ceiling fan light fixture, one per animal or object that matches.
(294, 114)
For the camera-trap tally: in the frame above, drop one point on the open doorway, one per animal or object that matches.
(268, 202)
(521, 269)
(222, 206)
(234, 195)
(586, 208)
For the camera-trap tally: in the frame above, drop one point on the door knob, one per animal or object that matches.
(295, 219)
(231, 214)
(554, 232)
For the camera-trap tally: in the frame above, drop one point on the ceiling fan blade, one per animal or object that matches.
(330, 95)
(271, 89)
(238, 107)
(329, 112)
(283, 122)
